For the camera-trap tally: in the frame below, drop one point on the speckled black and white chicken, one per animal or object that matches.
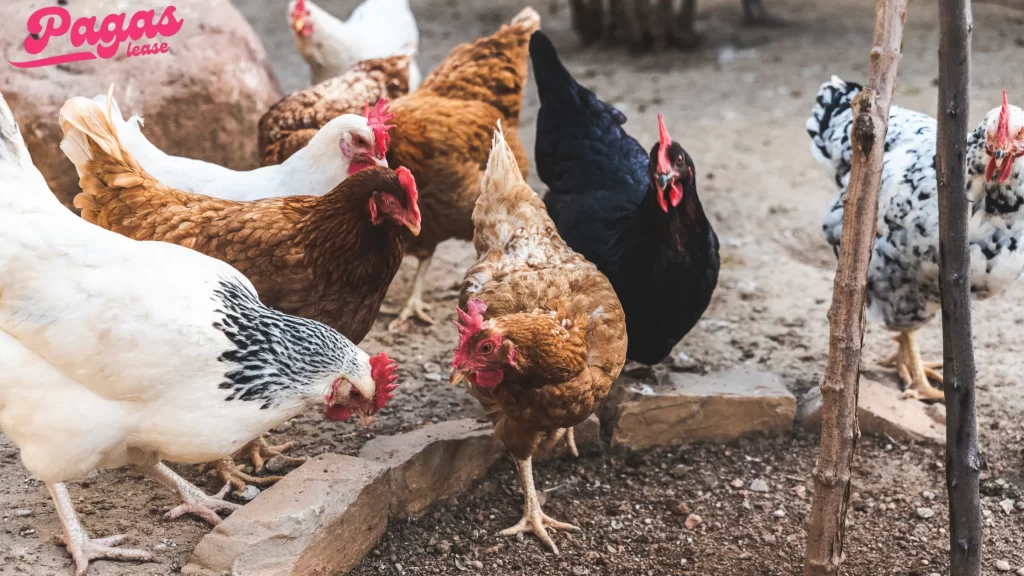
(903, 278)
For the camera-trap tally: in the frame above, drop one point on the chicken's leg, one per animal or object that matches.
(415, 306)
(913, 371)
(82, 548)
(195, 500)
(554, 437)
(534, 519)
(258, 452)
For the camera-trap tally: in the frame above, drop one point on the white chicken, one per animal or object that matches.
(342, 147)
(376, 29)
(903, 278)
(119, 352)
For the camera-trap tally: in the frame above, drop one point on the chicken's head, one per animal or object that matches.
(1004, 140)
(670, 169)
(356, 137)
(299, 19)
(483, 352)
(399, 204)
(364, 395)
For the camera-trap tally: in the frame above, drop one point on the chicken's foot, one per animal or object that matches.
(415, 306)
(195, 501)
(534, 519)
(259, 452)
(913, 371)
(82, 548)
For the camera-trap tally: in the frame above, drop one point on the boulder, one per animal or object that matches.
(321, 519)
(433, 462)
(881, 412)
(684, 408)
(202, 99)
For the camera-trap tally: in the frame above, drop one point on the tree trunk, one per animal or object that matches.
(962, 462)
(826, 524)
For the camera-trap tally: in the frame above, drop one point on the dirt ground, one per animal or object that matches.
(738, 105)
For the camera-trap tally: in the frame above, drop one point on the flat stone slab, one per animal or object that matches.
(881, 412)
(687, 408)
(320, 520)
(433, 462)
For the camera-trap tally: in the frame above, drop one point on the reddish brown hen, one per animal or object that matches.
(542, 335)
(443, 135)
(329, 258)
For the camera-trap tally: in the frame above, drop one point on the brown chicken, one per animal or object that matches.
(292, 122)
(443, 135)
(542, 335)
(329, 258)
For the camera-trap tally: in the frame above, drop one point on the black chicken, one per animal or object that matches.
(636, 216)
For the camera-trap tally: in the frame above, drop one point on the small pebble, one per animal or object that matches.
(692, 521)
(432, 377)
(1007, 506)
(476, 564)
(22, 513)
(276, 465)
(928, 495)
(432, 367)
(769, 538)
(1003, 566)
(737, 483)
(925, 513)
(1020, 572)
(780, 513)
(801, 492)
(248, 494)
(759, 485)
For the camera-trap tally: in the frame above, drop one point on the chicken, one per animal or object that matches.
(339, 149)
(541, 333)
(330, 258)
(293, 121)
(635, 215)
(118, 352)
(376, 29)
(646, 23)
(903, 277)
(443, 133)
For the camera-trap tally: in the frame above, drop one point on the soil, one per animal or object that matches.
(738, 104)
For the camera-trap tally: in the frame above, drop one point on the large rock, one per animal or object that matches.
(202, 99)
(687, 408)
(433, 462)
(881, 412)
(320, 520)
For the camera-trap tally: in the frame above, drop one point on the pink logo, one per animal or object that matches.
(55, 21)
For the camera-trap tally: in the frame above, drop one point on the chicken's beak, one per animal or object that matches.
(664, 180)
(366, 419)
(298, 24)
(457, 377)
(413, 226)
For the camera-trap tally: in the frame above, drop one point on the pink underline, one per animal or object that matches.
(62, 59)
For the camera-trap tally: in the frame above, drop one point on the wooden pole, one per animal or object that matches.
(962, 462)
(826, 524)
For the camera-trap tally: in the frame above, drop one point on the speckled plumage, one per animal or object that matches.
(903, 278)
(558, 309)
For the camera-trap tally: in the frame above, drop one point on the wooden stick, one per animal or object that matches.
(962, 463)
(826, 524)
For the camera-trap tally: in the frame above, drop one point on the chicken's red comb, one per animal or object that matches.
(299, 10)
(409, 184)
(384, 372)
(664, 143)
(1003, 132)
(377, 118)
(471, 322)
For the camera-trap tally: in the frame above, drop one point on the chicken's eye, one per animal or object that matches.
(486, 348)
(390, 201)
(360, 141)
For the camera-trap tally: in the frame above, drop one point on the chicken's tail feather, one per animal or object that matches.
(554, 83)
(13, 151)
(502, 168)
(830, 119)
(86, 123)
